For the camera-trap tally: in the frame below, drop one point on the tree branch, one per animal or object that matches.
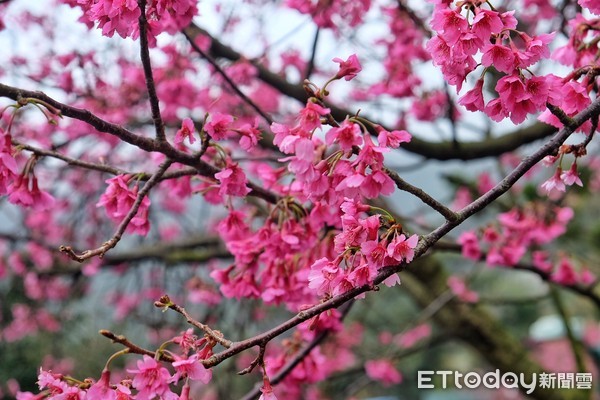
(505, 184)
(420, 193)
(133, 348)
(446, 150)
(150, 85)
(149, 145)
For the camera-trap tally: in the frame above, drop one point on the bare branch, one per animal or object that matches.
(150, 85)
(133, 348)
(143, 176)
(165, 302)
(425, 198)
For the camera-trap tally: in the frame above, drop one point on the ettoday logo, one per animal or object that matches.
(509, 380)
(472, 380)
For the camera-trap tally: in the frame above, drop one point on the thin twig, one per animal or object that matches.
(420, 193)
(112, 242)
(143, 176)
(133, 348)
(217, 336)
(150, 85)
(259, 360)
(227, 79)
(313, 54)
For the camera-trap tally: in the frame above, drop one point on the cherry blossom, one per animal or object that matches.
(186, 131)
(348, 68)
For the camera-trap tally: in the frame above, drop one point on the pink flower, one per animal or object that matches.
(591, 5)
(347, 135)
(473, 99)
(150, 378)
(413, 336)
(470, 246)
(267, 391)
(363, 274)
(115, 16)
(233, 181)
(27, 193)
(192, 368)
(495, 110)
(101, 390)
(460, 290)
(70, 393)
(186, 131)
(117, 199)
(450, 24)
(8, 165)
(218, 126)
(323, 276)
(392, 139)
(375, 252)
(565, 274)
(376, 184)
(402, 248)
(571, 176)
(536, 49)
(486, 23)
(383, 371)
(250, 136)
(498, 56)
(310, 116)
(349, 68)
(172, 15)
(440, 51)
(140, 224)
(539, 259)
(555, 183)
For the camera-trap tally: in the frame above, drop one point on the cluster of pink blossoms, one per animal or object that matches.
(335, 184)
(118, 200)
(364, 252)
(121, 16)
(22, 189)
(520, 231)
(517, 232)
(8, 165)
(509, 51)
(330, 14)
(150, 380)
